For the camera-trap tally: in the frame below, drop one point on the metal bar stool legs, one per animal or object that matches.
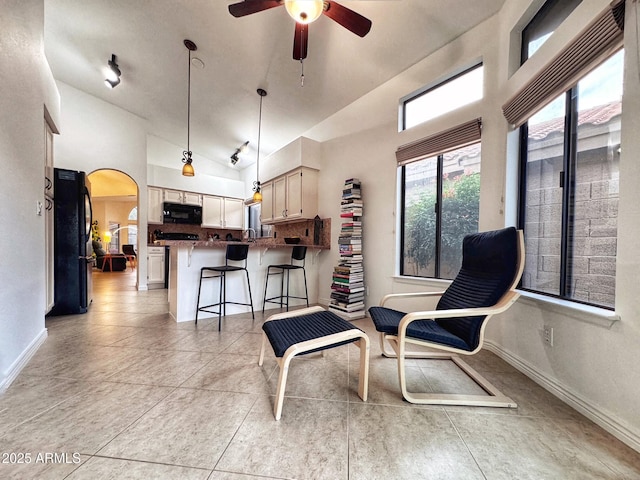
(298, 253)
(236, 253)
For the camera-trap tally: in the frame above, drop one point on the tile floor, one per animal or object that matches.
(123, 392)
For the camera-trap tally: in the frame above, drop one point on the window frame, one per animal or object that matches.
(430, 88)
(538, 21)
(568, 186)
(439, 180)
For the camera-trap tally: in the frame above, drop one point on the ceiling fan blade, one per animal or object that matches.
(349, 19)
(247, 7)
(300, 41)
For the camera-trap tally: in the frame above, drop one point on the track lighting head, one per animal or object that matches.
(113, 73)
(241, 149)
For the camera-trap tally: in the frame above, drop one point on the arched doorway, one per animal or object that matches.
(115, 205)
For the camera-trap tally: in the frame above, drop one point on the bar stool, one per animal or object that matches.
(297, 254)
(234, 253)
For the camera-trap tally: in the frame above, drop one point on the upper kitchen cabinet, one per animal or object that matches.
(186, 198)
(155, 207)
(302, 152)
(222, 212)
(291, 196)
(233, 213)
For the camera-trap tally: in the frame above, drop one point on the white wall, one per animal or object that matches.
(594, 367)
(164, 170)
(369, 154)
(97, 135)
(591, 366)
(27, 89)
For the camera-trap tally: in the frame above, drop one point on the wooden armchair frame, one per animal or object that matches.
(400, 342)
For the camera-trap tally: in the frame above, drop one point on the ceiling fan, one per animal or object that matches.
(304, 12)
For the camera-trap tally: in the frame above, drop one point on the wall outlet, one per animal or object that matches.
(547, 334)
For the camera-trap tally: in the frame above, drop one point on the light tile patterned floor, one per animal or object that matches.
(123, 392)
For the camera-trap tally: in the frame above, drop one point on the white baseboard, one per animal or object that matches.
(600, 417)
(17, 366)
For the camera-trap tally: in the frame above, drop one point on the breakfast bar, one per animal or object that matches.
(186, 258)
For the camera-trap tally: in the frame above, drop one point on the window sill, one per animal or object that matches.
(585, 313)
(425, 282)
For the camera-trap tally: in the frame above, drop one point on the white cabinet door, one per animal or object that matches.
(173, 196)
(155, 267)
(154, 205)
(190, 198)
(302, 194)
(294, 195)
(266, 210)
(234, 213)
(280, 199)
(212, 211)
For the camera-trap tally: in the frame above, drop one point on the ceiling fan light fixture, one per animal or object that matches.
(304, 11)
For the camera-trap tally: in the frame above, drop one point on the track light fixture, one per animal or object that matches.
(113, 73)
(241, 149)
(187, 169)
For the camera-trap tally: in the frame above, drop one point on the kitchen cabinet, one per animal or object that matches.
(222, 212)
(212, 211)
(186, 198)
(279, 198)
(266, 210)
(233, 213)
(154, 205)
(190, 198)
(291, 196)
(155, 267)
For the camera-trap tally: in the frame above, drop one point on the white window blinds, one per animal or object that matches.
(442, 142)
(595, 43)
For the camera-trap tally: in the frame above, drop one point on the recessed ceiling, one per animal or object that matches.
(241, 55)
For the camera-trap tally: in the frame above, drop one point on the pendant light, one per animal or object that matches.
(187, 169)
(257, 196)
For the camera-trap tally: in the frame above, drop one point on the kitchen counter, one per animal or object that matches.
(259, 243)
(188, 257)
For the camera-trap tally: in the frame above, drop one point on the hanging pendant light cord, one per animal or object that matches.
(259, 132)
(189, 105)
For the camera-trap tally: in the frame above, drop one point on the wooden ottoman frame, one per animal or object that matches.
(298, 342)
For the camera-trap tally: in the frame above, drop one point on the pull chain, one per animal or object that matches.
(302, 73)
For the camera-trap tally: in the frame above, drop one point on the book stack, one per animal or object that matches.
(347, 296)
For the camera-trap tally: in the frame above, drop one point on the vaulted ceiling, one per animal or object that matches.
(239, 56)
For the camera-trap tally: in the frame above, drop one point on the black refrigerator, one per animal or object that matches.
(73, 255)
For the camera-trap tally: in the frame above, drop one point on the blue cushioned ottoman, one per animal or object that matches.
(310, 330)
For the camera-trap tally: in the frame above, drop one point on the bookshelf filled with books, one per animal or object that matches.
(347, 287)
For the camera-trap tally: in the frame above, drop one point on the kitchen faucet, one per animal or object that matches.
(248, 231)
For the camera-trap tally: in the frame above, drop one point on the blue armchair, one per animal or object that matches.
(492, 264)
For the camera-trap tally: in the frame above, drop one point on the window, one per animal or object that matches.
(114, 244)
(569, 189)
(456, 92)
(439, 206)
(542, 26)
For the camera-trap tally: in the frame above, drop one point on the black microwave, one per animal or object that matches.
(178, 213)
